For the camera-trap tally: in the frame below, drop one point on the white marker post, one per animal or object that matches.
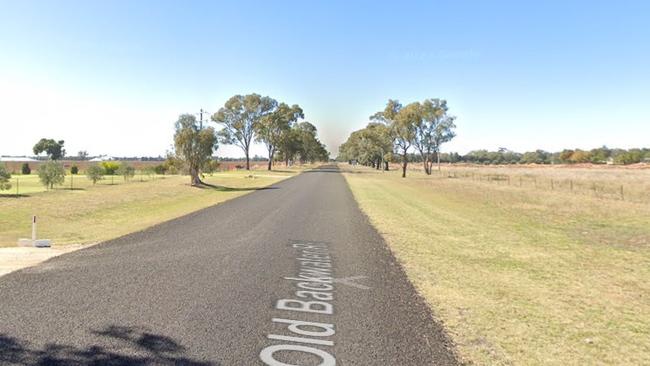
(33, 242)
(34, 228)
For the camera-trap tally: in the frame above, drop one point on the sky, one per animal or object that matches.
(111, 77)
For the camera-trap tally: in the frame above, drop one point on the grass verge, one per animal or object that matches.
(519, 276)
(90, 214)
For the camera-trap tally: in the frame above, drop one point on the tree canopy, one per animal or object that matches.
(53, 149)
(240, 116)
(193, 146)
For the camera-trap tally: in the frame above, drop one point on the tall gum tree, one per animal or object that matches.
(433, 128)
(193, 146)
(274, 127)
(401, 123)
(239, 118)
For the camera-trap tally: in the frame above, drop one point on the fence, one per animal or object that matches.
(600, 189)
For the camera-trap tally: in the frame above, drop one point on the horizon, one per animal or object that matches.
(112, 78)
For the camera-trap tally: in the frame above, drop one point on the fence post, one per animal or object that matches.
(17, 186)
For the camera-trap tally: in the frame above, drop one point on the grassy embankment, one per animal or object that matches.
(92, 213)
(521, 275)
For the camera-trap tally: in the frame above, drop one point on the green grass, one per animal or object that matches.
(520, 276)
(93, 213)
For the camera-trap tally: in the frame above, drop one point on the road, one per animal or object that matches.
(289, 275)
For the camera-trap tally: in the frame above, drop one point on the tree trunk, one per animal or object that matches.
(438, 156)
(405, 162)
(248, 162)
(386, 165)
(271, 153)
(194, 177)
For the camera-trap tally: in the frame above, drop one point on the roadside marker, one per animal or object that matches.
(33, 242)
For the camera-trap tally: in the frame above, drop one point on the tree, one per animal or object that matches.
(126, 171)
(401, 123)
(51, 173)
(53, 149)
(371, 145)
(239, 118)
(4, 179)
(95, 173)
(289, 145)
(433, 127)
(25, 169)
(193, 146)
(273, 127)
(82, 155)
(110, 167)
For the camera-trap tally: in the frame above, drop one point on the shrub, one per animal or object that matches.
(126, 171)
(74, 170)
(4, 179)
(110, 167)
(160, 169)
(51, 173)
(95, 173)
(211, 166)
(25, 169)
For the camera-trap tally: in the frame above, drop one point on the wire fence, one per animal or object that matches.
(603, 189)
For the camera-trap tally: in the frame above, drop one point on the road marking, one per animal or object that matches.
(315, 283)
(348, 281)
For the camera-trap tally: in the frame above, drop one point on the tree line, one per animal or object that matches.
(601, 155)
(395, 131)
(246, 119)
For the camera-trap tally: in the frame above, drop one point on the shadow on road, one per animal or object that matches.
(231, 189)
(129, 346)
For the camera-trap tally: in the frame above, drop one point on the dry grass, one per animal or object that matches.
(518, 275)
(91, 214)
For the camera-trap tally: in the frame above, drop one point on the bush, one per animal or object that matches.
(95, 173)
(110, 167)
(25, 169)
(51, 173)
(211, 166)
(126, 171)
(4, 179)
(160, 169)
(74, 170)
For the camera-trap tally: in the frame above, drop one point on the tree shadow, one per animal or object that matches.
(21, 195)
(137, 346)
(232, 189)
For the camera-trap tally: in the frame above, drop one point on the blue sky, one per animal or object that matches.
(111, 77)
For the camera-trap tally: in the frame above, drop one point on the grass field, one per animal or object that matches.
(93, 213)
(519, 275)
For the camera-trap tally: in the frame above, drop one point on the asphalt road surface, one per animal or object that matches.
(289, 275)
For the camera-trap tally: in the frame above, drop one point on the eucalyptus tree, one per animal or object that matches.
(54, 149)
(239, 117)
(274, 128)
(426, 142)
(401, 122)
(193, 146)
(289, 145)
(444, 133)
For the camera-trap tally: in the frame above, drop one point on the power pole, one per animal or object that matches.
(201, 112)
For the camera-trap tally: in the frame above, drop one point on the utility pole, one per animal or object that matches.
(201, 112)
